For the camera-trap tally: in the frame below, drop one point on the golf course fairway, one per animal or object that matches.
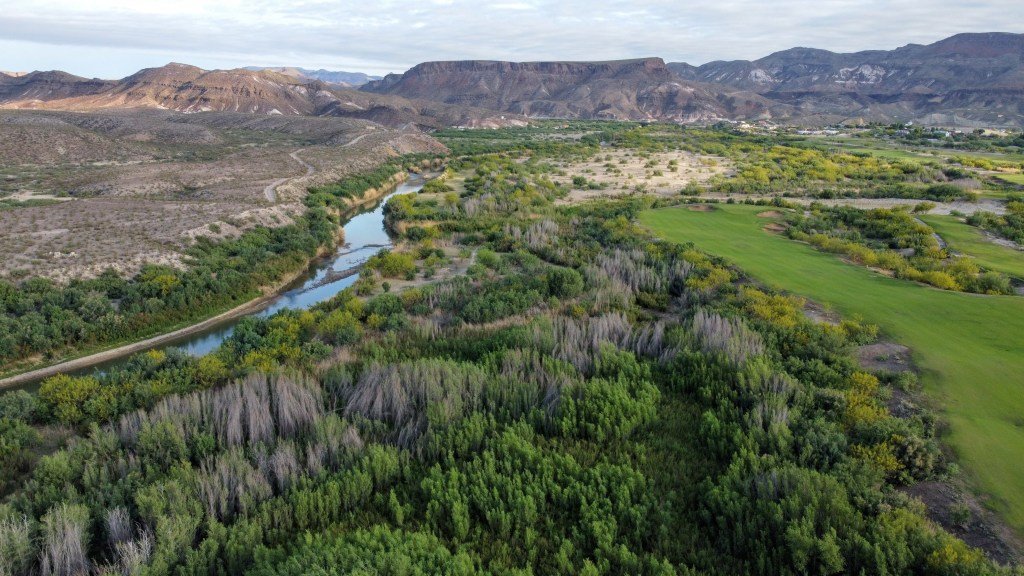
(968, 347)
(971, 241)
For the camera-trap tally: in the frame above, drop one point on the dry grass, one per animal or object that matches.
(623, 171)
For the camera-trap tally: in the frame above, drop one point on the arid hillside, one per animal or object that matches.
(184, 88)
(81, 192)
(965, 78)
(643, 89)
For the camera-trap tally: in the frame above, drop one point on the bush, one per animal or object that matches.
(19, 404)
(392, 264)
(564, 282)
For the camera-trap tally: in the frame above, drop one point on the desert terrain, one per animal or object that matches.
(85, 192)
(618, 171)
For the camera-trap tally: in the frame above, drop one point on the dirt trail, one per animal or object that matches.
(270, 192)
(354, 140)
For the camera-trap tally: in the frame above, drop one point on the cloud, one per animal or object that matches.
(108, 38)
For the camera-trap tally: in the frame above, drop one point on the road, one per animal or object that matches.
(142, 345)
(270, 192)
(356, 139)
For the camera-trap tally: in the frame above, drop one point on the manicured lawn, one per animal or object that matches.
(891, 154)
(861, 146)
(1013, 178)
(892, 151)
(970, 348)
(971, 241)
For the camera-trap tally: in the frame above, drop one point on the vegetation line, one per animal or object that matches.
(244, 309)
(141, 346)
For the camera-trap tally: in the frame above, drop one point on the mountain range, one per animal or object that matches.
(346, 79)
(189, 89)
(966, 80)
(643, 89)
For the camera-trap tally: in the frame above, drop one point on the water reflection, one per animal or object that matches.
(364, 236)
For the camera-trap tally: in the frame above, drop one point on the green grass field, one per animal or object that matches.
(890, 154)
(970, 348)
(1013, 178)
(940, 155)
(971, 241)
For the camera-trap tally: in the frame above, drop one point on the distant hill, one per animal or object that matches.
(45, 86)
(185, 88)
(642, 89)
(348, 79)
(967, 78)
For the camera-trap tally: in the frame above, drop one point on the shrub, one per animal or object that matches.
(564, 282)
(392, 264)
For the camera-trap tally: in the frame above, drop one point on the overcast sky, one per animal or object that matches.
(109, 39)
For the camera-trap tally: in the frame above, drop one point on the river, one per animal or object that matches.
(364, 236)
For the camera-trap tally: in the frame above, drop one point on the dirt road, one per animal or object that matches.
(270, 192)
(142, 345)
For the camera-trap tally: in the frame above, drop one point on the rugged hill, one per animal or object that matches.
(340, 78)
(967, 78)
(46, 86)
(184, 88)
(626, 89)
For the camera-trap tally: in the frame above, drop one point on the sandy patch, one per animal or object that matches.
(885, 357)
(614, 172)
(236, 224)
(775, 228)
(456, 266)
(820, 314)
(769, 214)
(999, 240)
(24, 196)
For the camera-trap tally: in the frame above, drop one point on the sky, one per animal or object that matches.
(112, 39)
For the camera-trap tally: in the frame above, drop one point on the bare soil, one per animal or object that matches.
(885, 357)
(456, 266)
(140, 187)
(999, 240)
(963, 514)
(621, 172)
(820, 314)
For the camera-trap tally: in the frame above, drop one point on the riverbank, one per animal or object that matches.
(143, 345)
(269, 294)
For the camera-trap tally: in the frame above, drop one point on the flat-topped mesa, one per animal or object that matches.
(638, 89)
(650, 65)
